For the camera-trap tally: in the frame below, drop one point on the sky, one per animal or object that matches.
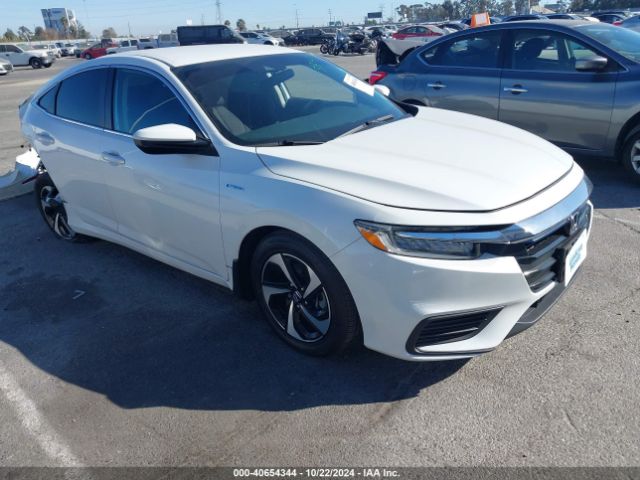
(146, 17)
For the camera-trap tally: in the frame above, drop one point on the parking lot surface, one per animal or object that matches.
(110, 358)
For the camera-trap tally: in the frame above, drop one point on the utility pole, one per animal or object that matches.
(129, 27)
(86, 14)
(297, 16)
(330, 17)
(219, 11)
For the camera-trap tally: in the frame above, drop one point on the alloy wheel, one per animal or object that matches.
(54, 213)
(295, 297)
(635, 157)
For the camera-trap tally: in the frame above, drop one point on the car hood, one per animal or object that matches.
(437, 160)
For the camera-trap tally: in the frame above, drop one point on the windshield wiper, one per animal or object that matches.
(368, 124)
(289, 143)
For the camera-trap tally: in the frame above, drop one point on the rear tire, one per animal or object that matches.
(309, 306)
(35, 63)
(52, 210)
(631, 155)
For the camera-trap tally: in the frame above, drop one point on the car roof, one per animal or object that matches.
(189, 55)
(539, 23)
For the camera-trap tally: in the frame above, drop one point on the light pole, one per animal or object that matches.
(329, 17)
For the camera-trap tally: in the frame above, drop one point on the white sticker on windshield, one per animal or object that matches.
(359, 84)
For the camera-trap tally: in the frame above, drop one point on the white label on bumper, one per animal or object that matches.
(575, 257)
(359, 84)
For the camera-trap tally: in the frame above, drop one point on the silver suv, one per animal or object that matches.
(21, 56)
(575, 83)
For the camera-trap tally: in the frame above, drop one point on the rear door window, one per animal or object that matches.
(82, 97)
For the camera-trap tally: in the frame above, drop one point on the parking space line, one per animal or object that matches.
(34, 423)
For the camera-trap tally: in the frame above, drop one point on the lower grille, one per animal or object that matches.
(542, 259)
(450, 328)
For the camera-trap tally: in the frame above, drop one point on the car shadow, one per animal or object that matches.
(612, 185)
(143, 334)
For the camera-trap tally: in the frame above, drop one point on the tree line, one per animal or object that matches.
(24, 34)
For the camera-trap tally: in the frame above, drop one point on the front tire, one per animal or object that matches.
(52, 209)
(631, 155)
(48, 65)
(35, 63)
(87, 56)
(303, 296)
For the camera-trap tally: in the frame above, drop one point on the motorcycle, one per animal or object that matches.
(357, 42)
(327, 46)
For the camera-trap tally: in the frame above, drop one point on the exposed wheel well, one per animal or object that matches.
(631, 124)
(413, 101)
(242, 265)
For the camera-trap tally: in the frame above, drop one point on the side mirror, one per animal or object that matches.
(383, 89)
(172, 138)
(591, 64)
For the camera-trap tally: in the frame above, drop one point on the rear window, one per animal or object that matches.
(82, 97)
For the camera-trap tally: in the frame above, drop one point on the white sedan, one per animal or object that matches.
(345, 215)
(259, 38)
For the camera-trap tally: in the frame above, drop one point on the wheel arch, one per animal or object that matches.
(241, 264)
(630, 125)
(413, 101)
(241, 267)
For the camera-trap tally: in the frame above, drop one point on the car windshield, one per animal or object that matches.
(624, 41)
(285, 99)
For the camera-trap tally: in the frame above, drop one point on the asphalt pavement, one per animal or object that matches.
(109, 358)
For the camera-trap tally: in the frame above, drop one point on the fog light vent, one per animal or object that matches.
(451, 327)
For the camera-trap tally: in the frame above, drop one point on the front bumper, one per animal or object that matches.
(397, 296)
(48, 60)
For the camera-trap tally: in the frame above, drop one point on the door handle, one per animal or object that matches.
(437, 85)
(516, 89)
(45, 139)
(112, 158)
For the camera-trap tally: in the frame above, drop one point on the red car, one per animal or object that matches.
(418, 31)
(97, 50)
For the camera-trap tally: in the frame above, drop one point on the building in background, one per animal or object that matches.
(59, 19)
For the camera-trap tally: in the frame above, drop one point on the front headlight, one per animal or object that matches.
(453, 243)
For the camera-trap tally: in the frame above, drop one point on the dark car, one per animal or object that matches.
(574, 83)
(311, 36)
(632, 23)
(606, 17)
(518, 18)
(207, 35)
